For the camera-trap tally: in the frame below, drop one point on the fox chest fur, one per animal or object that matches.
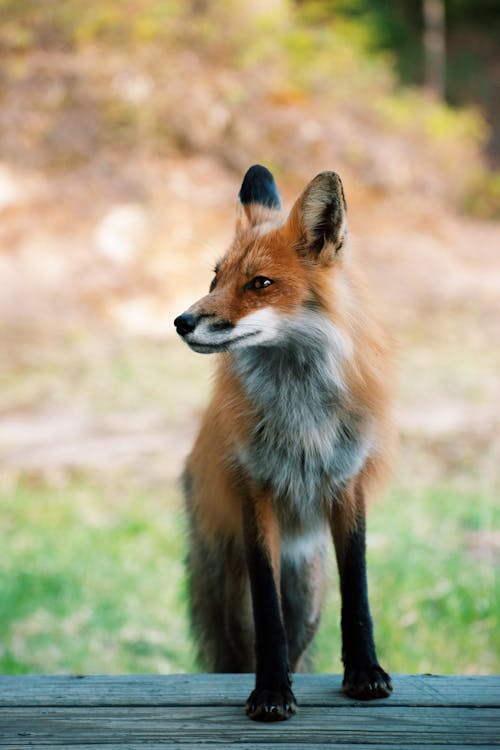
(308, 439)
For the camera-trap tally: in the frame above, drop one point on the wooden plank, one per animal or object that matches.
(261, 746)
(224, 726)
(273, 746)
(232, 690)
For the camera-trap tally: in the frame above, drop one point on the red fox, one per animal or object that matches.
(297, 434)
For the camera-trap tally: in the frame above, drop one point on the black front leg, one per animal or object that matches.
(364, 678)
(272, 699)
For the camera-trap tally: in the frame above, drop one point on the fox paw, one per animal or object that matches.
(271, 705)
(366, 683)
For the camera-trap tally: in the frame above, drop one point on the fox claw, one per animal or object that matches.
(270, 705)
(367, 683)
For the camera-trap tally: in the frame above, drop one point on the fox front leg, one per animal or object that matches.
(272, 699)
(364, 678)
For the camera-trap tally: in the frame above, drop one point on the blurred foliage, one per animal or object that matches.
(482, 198)
(160, 75)
(303, 25)
(68, 25)
(472, 53)
(396, 25)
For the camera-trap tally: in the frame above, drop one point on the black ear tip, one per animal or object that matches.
(258, 186)
(256, 171)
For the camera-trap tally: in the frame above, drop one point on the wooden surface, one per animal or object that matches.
(154, 711)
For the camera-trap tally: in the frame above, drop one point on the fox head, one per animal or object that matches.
(276, 269)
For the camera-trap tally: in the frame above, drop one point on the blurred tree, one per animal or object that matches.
(434, 46)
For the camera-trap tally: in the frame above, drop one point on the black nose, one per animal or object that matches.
(185, 323)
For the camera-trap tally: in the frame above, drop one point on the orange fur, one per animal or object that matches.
(228, 421)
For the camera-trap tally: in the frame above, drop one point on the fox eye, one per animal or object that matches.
(213, 284)
(259, 282)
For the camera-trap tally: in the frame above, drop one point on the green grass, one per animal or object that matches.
(92, 580)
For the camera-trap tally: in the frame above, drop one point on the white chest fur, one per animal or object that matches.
(309, 438)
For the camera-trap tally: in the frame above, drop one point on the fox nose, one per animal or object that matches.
(185, 323)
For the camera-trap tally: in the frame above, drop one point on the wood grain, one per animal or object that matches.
(220, 690)
(190, 710)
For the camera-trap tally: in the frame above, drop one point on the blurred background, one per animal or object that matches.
(125, 130)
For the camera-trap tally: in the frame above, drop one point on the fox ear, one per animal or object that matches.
(259, 196)
(318, 220)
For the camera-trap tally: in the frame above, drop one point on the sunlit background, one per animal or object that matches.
(125, 129)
